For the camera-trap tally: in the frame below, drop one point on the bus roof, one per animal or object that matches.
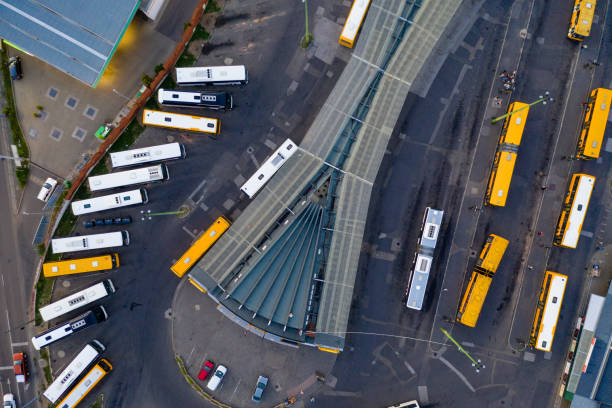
(128, 177)
(515, 123)
(474, 298)
(188, 75)
(492, 253)
(578, 210)
(598, 122)
(146, 154)
(418, 283)
(431, 228)
(585, 17)
(551, 310)
(501, 176)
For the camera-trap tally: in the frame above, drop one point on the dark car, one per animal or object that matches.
(15, 68)
(206, 369)
(107, 221)
(122, 220)
(89, 224)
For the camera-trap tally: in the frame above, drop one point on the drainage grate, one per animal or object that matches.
(90, 112)
(33, 133)
(79, 133)
(56, 134)
(71, 102)
(52, 93)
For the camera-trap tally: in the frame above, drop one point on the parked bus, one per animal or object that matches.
(594, 125)
(134, 157)
(222, 75)
(87, 242)
(547, 311)
(89, 381)
(90, 353)
(125, 178)
(96, 315)
(82, 265)
(505, 157)
(207, 100)
(180, 121)
(269, 168)
(574, 210)
(353, 23)
(482, 275)
(582, 19)
(423, 258)
(200, 246)
(109, 202)
(77, 300)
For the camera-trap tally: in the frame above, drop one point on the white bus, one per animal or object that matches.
(128, 178)
(87, 242)
(223, 75)
(269, 168)
(78, 366)
(573, 210)
(432, 222)
(170, 151)
(207, 100)
(77, 300)
(96, 315)
(110, 202)
(547, 311)
(180, 121)
(87, 383)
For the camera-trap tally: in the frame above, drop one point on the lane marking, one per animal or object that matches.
(189, 232)
(20, 344)
(456, 371)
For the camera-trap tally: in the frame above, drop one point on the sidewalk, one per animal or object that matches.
(63, 136)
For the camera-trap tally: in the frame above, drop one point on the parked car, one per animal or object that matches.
(20, 366)
(107, 221)
(47, 189)
(262, 382)
(15, 68)
(206, 369)
(215, 380)
(9, 401)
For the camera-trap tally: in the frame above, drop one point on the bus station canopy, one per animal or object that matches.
(78, 38)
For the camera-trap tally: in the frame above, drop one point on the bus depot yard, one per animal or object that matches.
(487, 302)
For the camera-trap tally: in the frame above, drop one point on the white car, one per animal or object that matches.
(47, 189)
(216, 378)
(9, 401)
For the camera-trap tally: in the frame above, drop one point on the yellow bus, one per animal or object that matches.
(582, 19)
(353, 23)
(547, 311)
(93, 377)
(71, 266)
(574, 210)
(505, 157)
(482, 275)
(200, 246)
(594, 125)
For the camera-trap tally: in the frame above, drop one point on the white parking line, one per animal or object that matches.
(6, 368)
(189, 232)
(20, 344)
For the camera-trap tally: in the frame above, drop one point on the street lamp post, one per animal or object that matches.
(475, 363)
(307, 36)
(543, 99)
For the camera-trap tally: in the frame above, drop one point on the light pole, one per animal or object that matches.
(543, 98)
(148, 214)
(475, 363)
(307, 36)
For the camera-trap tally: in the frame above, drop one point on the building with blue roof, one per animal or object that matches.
(78, 40)
(594, 373)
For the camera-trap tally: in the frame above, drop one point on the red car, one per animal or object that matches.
(207, 368)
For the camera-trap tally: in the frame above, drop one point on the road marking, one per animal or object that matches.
(235, 389)
(409, 367)
(20, 344)
(6, 368)
(423, 395)
(189, 232)
(467, 344)
(188, 358)
(456, 371)
(194, 192)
